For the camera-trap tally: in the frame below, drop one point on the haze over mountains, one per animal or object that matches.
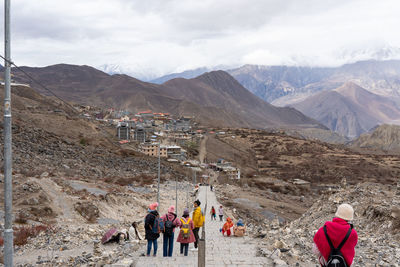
(214, 98)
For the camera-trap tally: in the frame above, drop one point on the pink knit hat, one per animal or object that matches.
(153, 206)
(171, 209)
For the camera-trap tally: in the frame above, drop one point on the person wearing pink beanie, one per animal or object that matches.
(170, 222)
(153, 206)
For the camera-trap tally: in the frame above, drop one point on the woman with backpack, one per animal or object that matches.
(335, 242)
(170, 221)
(152, 228)
(186, 235)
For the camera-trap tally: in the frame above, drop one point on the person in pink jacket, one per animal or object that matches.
(186, 235)
(170, 222)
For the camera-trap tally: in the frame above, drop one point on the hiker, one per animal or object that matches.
(151, 225)
(170, 222)
(220, 213)
(334, 243)
(186, 235)
(227, 227)
(211, 187)
(198, 220)
(212, 212)
(133, 233)
(239, 230)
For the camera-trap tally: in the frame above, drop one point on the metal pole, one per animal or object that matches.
(8, 231)
(176, 195)
(158, 178)
(201, 259)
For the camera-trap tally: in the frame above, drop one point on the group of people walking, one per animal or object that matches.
(155, 225)
(334, 243)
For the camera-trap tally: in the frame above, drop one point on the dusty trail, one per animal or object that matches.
(203, 149)
(61, 202)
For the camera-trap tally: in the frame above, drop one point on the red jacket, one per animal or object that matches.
(337, 230)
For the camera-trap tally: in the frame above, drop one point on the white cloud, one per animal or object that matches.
(155, 37)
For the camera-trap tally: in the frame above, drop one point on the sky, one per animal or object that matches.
(150, 38)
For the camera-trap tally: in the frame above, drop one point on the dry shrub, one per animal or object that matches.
(22, 234)
(21, 218)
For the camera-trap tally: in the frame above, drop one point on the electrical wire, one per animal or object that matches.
(39, 83)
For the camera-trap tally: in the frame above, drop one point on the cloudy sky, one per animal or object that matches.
(149, 38)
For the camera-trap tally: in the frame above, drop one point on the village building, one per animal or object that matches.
(123, 131)
(151, 149)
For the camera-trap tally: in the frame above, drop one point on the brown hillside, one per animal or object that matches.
(214, 98)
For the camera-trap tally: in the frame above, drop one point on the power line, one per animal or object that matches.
(105, 133)
(39, 83)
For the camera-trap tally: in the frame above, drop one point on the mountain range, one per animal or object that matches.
(382, 138)
(284, 85)
(214, 98)
(349, 109)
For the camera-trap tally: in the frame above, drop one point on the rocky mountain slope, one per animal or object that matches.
(283, 85)
(382, 138)
(376, 222)
(262, 154)
(350, 110)
(214, 98)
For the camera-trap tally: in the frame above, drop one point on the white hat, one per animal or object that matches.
(345, 212)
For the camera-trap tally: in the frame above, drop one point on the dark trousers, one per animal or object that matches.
(220, 217)
(196, 235)
(149, 243)
(184, 246)
(168, 245)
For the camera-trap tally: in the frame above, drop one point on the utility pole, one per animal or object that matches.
(176, 195)
(158, 177)
(8, 231)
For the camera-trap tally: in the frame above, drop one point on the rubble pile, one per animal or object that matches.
(376, 222)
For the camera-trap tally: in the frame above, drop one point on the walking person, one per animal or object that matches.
(186, 235)
(220, 213)
(151, 226)
(170, 221)
(212, 212)
(198, 220)
(335, 242)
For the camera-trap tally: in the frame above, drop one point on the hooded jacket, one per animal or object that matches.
(337, 230)
(197, 218)
(171, 217)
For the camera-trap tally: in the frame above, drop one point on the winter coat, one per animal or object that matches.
(337, 230)
(171, 217)
(197, 218)
(191, 238)
(148, 225)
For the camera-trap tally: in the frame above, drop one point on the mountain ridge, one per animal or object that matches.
(207, 96)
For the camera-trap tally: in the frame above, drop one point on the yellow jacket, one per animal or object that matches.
(197, 218)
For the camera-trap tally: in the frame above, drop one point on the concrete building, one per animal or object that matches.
(151, 149)
(123, 131)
